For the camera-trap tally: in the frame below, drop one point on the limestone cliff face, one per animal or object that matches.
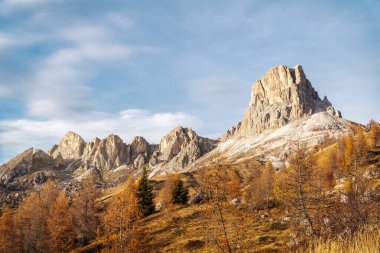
(70, 147)
(281, 96)
(179, 148)
(111, 153)
(139, 146)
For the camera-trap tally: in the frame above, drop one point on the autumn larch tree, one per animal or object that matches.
(299, 186)
(9, 241)
(60, 225)
(221, 185)
(31, 219)
(120, 222)
(85, 214)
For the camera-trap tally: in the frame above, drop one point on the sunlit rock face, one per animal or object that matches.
(281, 96)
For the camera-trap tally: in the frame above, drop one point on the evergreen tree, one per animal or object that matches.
(145, 194)
(180, 194)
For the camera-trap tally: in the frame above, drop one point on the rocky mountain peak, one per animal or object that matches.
(111, 153)
(70, 147)
(139, 146)
(281, 96)
(180, 147)
(172, 143)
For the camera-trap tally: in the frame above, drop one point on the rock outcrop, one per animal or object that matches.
(139, 146)
(281, 96)
(70, 147)
(28, 162)
(139, 161)
(179, 148)
(111, 153)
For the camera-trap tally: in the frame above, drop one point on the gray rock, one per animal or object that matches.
(180, 147)
(70, 147)
(39, 178)
(139, 161)
(111, 153)
(139, 146)
(235, 202)
(152, 161)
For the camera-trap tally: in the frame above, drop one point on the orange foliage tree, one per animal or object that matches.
(120, 222)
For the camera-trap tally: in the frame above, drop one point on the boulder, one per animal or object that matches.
(139, 161)
(235, 202)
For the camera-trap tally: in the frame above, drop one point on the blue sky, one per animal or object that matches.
(143, 67)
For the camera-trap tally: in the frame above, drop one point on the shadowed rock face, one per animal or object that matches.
(281, 96)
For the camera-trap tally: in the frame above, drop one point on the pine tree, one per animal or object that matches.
(180, 193)
(145, 194)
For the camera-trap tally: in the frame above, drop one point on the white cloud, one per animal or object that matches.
(59, 85)
(18, 135)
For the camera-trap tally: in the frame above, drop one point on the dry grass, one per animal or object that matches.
(367, 241)
(187, 230)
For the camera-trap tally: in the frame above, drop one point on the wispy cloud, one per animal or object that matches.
(59, 85)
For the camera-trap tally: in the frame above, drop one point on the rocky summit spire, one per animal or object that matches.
(282, 95)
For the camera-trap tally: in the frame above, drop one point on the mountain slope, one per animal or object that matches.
(284, 110)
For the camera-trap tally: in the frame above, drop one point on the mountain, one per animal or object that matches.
(281, 96)
(109, 160)
(284, 111)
